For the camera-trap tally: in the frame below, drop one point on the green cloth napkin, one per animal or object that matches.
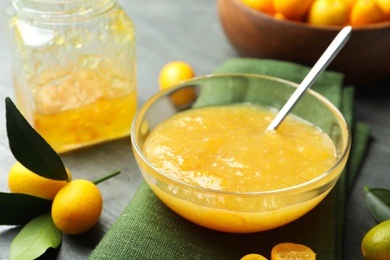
(147, 229)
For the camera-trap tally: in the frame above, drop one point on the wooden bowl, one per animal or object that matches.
(365, 58)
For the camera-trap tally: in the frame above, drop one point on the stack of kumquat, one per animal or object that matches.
(326, 12)
(285, 251)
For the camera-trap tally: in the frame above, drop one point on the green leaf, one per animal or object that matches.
(30, 148)
(378, 200)
(35, 238)
(18, 209)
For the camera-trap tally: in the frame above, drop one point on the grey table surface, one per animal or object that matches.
(187, 30)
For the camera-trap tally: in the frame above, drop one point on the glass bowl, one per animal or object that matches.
(241, 212)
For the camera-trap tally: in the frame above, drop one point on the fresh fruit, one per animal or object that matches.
(349, 3)
(292, 9)
(173, 73)
(22, 180)
(253, 257)
(292, 251)
(385, 6)
(280, 16)
(376, 242)
(365, 12)
(328, 12)
(77, 207)
(325, 12)
(265, 6)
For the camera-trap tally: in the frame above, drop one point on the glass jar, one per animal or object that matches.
(74, 69)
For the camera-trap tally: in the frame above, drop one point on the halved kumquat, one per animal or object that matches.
(253, 257)
(292, 251)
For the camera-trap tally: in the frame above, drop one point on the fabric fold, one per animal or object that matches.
(147, 229)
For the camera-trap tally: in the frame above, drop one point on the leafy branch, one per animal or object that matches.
(33, 152)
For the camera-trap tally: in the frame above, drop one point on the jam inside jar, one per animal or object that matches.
(74, 69)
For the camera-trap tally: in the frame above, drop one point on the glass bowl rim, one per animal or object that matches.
(184, 83)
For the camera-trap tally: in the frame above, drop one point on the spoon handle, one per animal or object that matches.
(333, 49)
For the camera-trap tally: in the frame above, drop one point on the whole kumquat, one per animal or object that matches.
(173, 73)
(328, 12)
(349, 4)
(385, 6)
(77, 207)
(365, 12)
(292, 9)
(376, 242)
(22, 180)
(265, 6)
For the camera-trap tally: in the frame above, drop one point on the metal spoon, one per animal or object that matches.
(333, 49)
